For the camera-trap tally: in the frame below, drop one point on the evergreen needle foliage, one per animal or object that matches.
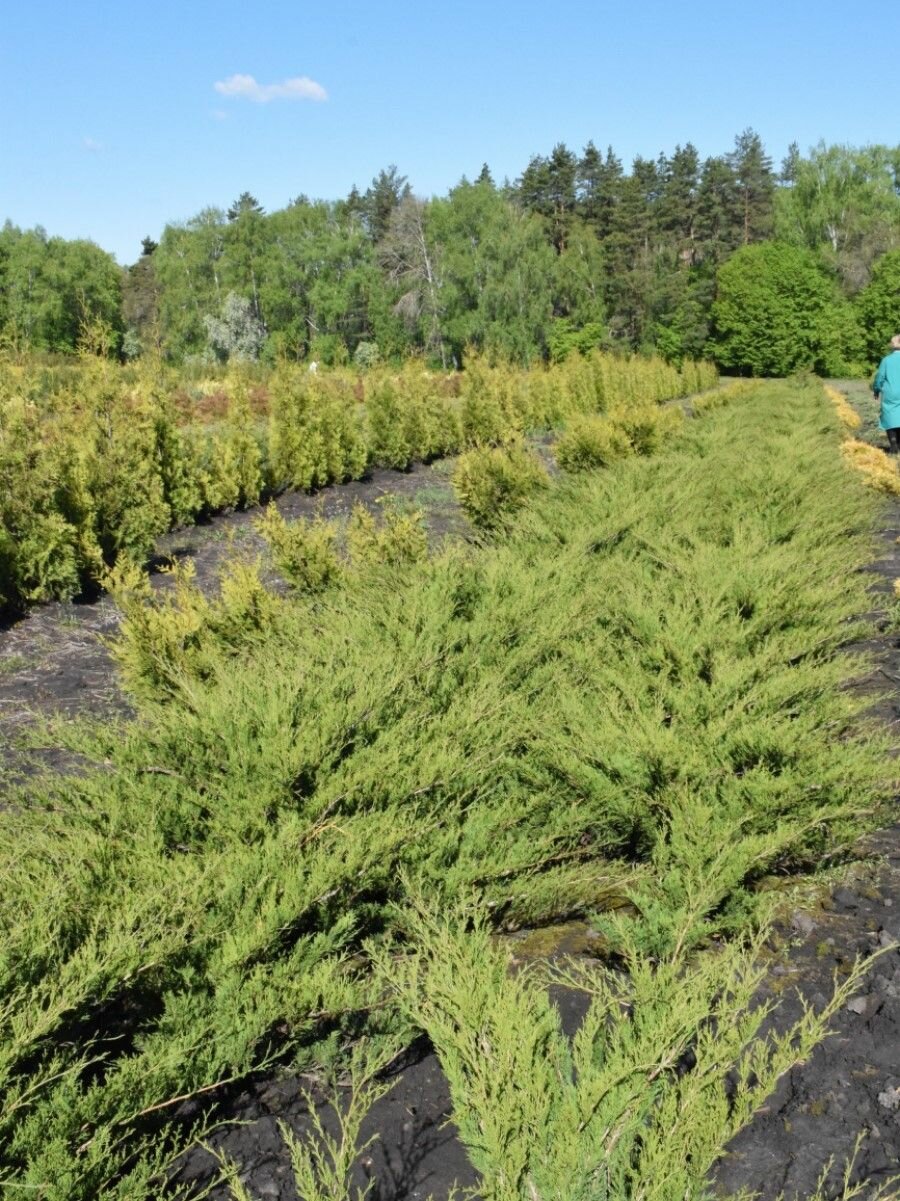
(96, 460)
(631, 702)
(665, 1069)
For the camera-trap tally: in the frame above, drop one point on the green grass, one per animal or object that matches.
(632, 704)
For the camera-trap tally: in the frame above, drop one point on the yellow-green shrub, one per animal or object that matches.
(847, 416)
(491, 483)
(46, 559)
(877, 469)
(234, 467)
(399, 538)
(647, 426)
(345, 450)
(591, 441)
(708, 402)
(303, 551)
(391, 430)
(169, 636)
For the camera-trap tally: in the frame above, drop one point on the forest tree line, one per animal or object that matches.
(763, 270)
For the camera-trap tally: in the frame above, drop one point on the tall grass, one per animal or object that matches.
(632, 704)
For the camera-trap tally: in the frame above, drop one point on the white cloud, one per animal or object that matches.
(218, 114)
(245, 87)
(92, 145)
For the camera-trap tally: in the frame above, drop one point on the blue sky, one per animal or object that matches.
(112, 124)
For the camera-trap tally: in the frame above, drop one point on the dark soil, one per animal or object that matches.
(54, 661)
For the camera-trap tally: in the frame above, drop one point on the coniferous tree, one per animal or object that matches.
(245, 203)
(588, 184)
(754, 187)
(383, 195)
(548, 187)
(790, 165)
(678, 197)
(717, 230)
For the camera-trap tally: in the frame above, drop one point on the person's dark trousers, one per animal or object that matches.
(893, 441)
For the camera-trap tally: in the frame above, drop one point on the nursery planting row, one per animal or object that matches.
(628, 703)
(96, 461)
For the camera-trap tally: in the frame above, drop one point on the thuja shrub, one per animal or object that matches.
(698, 375)
(591, 441)
(304, 552)
(234, 468)
(392, 426)
(316, 435)
(97, 460)
(398, 539)
(491, 483)
(647, 426)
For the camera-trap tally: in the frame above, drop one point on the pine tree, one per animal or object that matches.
(717, 231)
(755, 187)
(677, 210)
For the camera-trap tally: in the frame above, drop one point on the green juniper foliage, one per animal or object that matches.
(631, 704)
(615, 1113)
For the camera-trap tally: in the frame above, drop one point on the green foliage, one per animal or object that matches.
(614, 1112)
(51, 288)
(366, 355)
(879, 305)
(492, 483)
(590, 442)
(577, 252)
(304, 552)
(776, 312)
(565, 339)
(842, 203)
(635, 701)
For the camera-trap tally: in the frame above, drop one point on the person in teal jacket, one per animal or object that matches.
(886, 386)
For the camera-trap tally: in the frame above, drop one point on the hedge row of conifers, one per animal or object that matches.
(104, 462)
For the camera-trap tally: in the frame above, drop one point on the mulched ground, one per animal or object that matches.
(54, 661)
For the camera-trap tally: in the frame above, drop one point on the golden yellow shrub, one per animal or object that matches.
(877, 469)
(846, 415)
